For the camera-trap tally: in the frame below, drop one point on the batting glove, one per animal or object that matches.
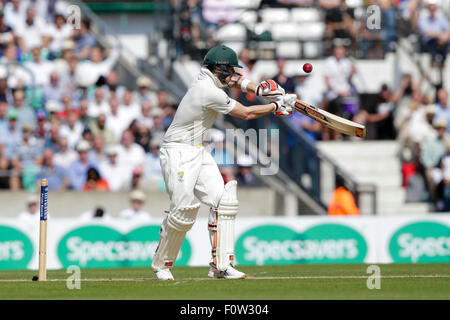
(284, 105)
(269, 90)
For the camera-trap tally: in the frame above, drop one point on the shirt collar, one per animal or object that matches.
(205, 73)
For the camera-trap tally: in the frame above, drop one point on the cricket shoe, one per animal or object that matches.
(229, 273)
(164, 274)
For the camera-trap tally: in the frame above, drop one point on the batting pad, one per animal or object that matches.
(173, 231)
(226, 214)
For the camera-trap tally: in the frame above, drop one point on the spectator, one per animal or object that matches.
(111, 87)
(53, 137)
(443, 106)
(40, 69)
(406, 108)
(135, 212)
(64, 156)
(342, 201)
(169, 115)
(84, 40)
(3, 117)
(7, 34)
(217, 12)
(4, 165)
(27, 156)
(307, 91)
(84, 118)
(143, 136)
(15, 11)
(94, 182)
(381, 113)
(72, 130)
(53, 90)
(12, 135)
(56, 33)
(341, 93)
(117, 176)
(8, 141)
(117, 119)
(389, 25)
(66, 54)
(245, 177)
(98, 214)
(421, 125)
(25, 113)
(42, 127)
(43, 7)
(28, 151)
(97, 67)
(32, 211)
(18, 77)
(98, 127)
(97, 154)
(145, 92)
(445, 178)
(31, 31)
(69, 78)
(77, 171)
(163, 99)
(152, 166)
(130, 108)
(299, 3)
(282, 79)
(158, 130)
(146, 117)
(432, 152)
(247, 65)
(55, 174)
(434, 30)
(98, 105)
(339, 19)
(130, 154)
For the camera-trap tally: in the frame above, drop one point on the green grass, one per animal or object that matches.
(191, 283)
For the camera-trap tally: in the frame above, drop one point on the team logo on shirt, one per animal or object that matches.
(228, 100)
(180, 176)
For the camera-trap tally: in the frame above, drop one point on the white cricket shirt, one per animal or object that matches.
(198, 110)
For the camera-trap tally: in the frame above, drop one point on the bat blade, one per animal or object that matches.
(330, 120)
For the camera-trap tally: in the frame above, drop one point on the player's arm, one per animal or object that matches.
(282, 106)
(252, 112)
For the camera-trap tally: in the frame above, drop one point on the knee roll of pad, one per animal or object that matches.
(184, 218)
(229, 204)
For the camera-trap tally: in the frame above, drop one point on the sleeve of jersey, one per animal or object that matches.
(218, 100)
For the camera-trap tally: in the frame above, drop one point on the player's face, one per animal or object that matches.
(232, 79)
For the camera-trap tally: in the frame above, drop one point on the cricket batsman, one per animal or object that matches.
(190, 171)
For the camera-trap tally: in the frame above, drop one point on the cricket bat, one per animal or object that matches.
(330, 120)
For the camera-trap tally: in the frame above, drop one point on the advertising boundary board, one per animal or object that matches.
(259, 241)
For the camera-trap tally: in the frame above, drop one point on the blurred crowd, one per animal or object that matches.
(64, 114)
(370, 28)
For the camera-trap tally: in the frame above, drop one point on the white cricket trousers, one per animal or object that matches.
(190, 172)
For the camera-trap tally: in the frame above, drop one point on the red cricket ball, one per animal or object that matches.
(307, 67)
